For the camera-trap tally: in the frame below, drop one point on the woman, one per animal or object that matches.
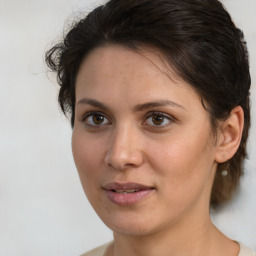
(158, 96)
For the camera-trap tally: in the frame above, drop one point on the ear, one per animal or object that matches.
(229, 135)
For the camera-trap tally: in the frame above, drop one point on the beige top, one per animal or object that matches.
(99, 251)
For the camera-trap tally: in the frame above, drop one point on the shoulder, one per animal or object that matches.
(245, 251)
(99, 251)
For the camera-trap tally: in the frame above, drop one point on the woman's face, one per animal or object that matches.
(142, 142)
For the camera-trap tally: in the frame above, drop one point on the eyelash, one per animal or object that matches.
(159, 114)
(94, 114)
(148, 116)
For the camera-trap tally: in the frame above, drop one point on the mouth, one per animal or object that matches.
(127, 193)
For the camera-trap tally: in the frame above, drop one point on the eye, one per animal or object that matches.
(95, 119)
(158, 119)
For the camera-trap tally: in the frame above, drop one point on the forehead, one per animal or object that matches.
(115, 71)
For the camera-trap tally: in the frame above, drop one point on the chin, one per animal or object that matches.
(131, 225)
(132, 230)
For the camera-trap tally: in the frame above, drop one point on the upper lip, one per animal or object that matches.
(125, 186)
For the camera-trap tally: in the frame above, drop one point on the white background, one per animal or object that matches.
(43, 210)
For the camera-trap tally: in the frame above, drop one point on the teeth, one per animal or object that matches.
(126, 191)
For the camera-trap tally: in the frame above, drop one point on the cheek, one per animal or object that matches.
(181, 155)
(184, 165)
(87, 156)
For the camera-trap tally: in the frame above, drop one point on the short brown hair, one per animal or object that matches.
(197, 38)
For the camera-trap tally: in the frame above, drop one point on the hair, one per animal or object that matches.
(199, 41)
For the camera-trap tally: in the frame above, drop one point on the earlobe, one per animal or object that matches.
(230, 134)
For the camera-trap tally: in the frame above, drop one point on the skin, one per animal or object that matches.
(119, 137)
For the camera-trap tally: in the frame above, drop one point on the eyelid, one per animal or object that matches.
(152, 113)
(147, 116)
(91, 113)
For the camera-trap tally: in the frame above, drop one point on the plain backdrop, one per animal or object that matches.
(43, 210)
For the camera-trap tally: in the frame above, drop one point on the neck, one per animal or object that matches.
(183, 239)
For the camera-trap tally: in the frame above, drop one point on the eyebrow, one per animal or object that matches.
(137, 108)
(158, 103)
(93, 103)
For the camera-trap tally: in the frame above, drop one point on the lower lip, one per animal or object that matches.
(129, 198)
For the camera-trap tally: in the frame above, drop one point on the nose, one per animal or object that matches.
(125, 149)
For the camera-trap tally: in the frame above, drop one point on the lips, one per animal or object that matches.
(127, 193)
(120, 191)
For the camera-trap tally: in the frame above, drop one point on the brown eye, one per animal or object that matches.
(96, 119)
(158, 119)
